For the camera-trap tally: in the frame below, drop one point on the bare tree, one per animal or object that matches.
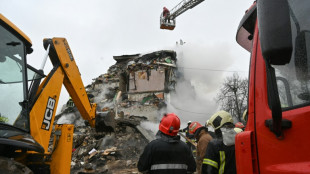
(233, 96)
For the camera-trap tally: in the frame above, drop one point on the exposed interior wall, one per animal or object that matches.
(145, 81)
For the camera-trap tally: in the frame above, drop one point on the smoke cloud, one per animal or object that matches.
(203, 72)
(72, 118)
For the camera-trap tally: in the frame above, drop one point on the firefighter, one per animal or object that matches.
(188, 135)
(166, 14)
(220, 155)
(167, 154)
(203, 138)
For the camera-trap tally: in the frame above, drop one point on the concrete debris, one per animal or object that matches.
(9, 166)
(110, 153)
(134, 89)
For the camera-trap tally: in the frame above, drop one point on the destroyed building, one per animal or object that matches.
(134, 89)
(143, 81)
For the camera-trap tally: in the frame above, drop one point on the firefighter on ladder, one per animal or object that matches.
(220, 154)
(167, 153)
(166, 14)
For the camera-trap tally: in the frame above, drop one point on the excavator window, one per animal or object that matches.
(12, 80)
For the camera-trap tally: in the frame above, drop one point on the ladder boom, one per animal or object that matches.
(182, 7)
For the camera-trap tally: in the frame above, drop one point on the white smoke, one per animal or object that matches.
(101, 99)
(203, 68)
(71, 118)
(151, 126)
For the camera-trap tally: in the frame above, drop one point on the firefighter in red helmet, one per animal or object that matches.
(188, 135)
(167, 153)
(203, 138)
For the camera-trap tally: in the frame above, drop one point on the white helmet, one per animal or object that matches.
(207, 123)
(218, 119)
(244, 115)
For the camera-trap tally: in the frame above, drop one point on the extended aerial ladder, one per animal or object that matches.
(169, 22)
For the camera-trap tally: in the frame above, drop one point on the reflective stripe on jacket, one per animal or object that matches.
(167, 155)
(168, 166)
(219, 159)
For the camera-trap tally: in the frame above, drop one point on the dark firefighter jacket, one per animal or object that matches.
(203, 139)
(167, 155)
(219, 159)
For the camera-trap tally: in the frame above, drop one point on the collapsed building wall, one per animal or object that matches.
(144, 82)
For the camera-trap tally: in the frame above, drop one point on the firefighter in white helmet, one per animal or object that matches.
(220, 154)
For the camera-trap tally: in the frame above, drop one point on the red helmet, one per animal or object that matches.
(170, 124)
(194, 126)
(239, 125)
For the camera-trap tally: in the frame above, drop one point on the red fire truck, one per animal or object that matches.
(276, 140)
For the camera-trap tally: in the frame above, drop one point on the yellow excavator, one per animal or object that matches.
(29, 101)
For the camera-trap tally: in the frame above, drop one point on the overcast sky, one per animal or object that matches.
(97, 30)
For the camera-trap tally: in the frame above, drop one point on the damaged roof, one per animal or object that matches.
(123, 58)
(147, 57)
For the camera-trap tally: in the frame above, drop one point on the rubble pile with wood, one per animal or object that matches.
(133, 90)
(116, 152)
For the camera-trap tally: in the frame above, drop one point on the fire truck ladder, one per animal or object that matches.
(175, 12)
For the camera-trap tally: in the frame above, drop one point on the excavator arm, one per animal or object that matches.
(65, 72)
(61, 55)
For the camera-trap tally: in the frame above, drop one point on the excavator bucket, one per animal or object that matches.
(105, 122)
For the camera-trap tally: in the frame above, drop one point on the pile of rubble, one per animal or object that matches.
(107, 153)
(136, 89)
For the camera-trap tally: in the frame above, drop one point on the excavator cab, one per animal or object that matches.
(28, 106)
(166, 23)
(16, 77)
(16, 81)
